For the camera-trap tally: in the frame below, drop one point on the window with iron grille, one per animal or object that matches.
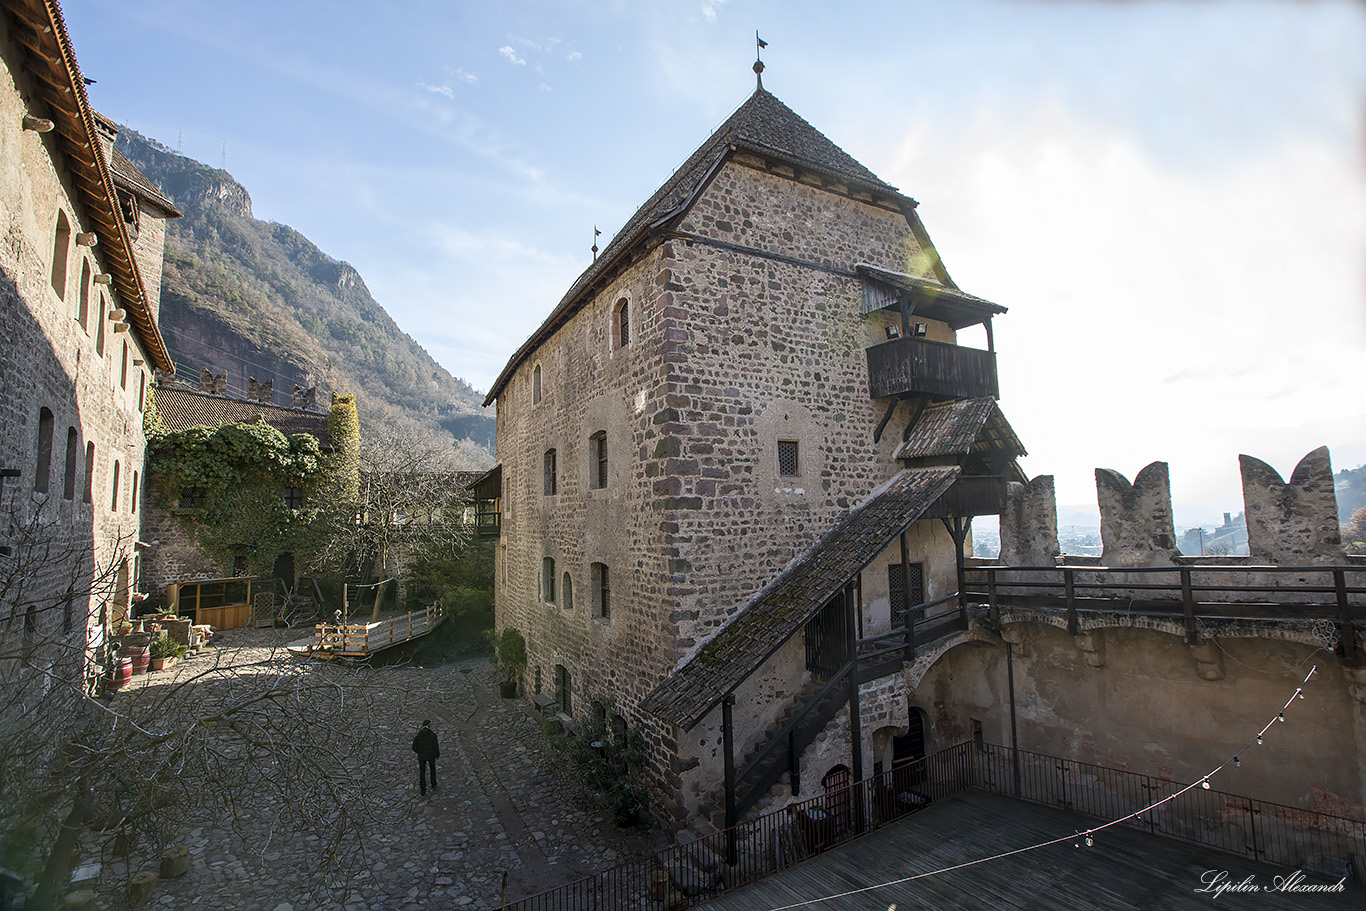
(602, 591)
(898, 593)
(788, 464)
(192, 498)
(562, 690)
(551, 484)
(294, 498)
(623, 323)
(598, 451)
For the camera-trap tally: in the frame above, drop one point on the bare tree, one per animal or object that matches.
(410, 496)
(84, 776)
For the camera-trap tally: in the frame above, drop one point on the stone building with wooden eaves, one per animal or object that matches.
(746, 437)
(80, 274)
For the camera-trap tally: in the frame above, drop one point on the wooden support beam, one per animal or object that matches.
(1188, 606)
(1070, 593)
(882, 424)
(728, 746)
(1348, 635)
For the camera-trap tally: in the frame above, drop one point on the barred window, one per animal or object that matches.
(294, 498)
(788, 463)
(192, 498)
(602, 591)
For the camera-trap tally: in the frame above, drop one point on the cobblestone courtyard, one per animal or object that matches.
(506, 803)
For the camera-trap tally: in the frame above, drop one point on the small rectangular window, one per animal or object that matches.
(43, 468)
(89, 495)
(602, 591)
(551, 482)
(598, 448)
(788, 465)
(192, 498)
(114, 495)
(134, 506)
(548, 580)
(294, 498)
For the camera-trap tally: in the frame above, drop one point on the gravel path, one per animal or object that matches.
(506, 804)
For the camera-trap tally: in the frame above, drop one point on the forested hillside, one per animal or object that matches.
(257, 299)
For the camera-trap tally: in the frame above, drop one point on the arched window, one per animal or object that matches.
(621, 324)
(114, 495)
(72, 454)
(536, 385)
(83, 314)
(142, 391)
(597, 453)
(89, 473)
(123, 368)
(43, 469)
(134, 507)
(61, 246)
(567, 593)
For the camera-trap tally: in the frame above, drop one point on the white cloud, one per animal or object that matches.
(710, 8)
(574, 57)
(466, 77)
(511, 55)
(1155, 314)
(544, 87)
(439, 89)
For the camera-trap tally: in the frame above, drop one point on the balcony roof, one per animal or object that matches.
(932, 299)
(960, 428)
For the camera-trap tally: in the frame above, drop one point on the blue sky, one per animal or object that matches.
(1169, 197)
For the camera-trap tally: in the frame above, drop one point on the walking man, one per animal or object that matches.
(427, 750)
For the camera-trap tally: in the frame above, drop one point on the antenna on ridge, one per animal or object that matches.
(759, 45)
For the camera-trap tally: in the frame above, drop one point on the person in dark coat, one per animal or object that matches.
(427, 750)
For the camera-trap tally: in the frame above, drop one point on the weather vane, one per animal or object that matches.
(596, 232)
(759, 45)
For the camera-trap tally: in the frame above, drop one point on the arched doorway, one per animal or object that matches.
(908, 753)
(839, 804)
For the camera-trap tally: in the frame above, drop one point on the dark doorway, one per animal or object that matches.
(908, 751)
(839, 807)
(562, 690)
(284, 571)
(827, 639)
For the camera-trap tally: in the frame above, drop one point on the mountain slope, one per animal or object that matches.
(258, 300)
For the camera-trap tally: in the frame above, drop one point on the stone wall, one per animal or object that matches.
(1292, 522)
(51, 360)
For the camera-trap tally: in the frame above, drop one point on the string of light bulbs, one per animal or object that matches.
(1087, 836)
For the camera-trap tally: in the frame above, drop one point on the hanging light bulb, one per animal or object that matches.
(1204, 783)
(1090, 841)
(1280, 716)
(1238, 763)
(1299, 693)
(1259, 740)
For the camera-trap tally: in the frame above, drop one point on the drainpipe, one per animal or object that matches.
(1014, 733)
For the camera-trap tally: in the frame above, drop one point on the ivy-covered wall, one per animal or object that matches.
(237, 496)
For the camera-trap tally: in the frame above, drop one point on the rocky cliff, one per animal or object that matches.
(258, 300)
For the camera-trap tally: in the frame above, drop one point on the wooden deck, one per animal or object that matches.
(359, 640)
(1125, 869)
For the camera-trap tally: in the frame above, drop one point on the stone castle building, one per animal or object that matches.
(765, 356)
(737, 464)
(80, 275)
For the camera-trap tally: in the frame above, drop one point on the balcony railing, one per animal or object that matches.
(914, 366)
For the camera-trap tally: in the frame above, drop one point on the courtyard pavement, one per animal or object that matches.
(507, 804)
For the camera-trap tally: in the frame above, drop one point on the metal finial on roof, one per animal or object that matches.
(596, 232)
(759, 45)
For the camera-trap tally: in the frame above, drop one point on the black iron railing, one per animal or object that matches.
(687, 875)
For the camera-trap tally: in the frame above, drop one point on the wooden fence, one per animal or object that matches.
(356, 640)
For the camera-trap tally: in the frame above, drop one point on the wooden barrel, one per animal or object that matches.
(123, 672)
(141, 656)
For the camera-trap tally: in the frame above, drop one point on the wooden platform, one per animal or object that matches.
(359, 640)
(1125, 869)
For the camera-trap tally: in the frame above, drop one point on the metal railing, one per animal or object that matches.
(690, 874)
(1269, 832)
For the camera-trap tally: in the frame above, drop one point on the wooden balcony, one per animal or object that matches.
(914, 366)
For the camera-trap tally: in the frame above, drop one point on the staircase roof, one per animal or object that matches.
(784, 606)
(960, 428)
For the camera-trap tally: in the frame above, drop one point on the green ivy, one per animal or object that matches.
(243, 470)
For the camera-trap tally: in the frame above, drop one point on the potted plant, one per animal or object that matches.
(165, 652)
(509, 654)
(607, 754)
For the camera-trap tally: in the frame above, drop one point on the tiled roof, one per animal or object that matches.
(46, 52)
(127, 174)
(959, 427)
(181, 408)
(762, 124)
(795, 596)
(937, 300)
